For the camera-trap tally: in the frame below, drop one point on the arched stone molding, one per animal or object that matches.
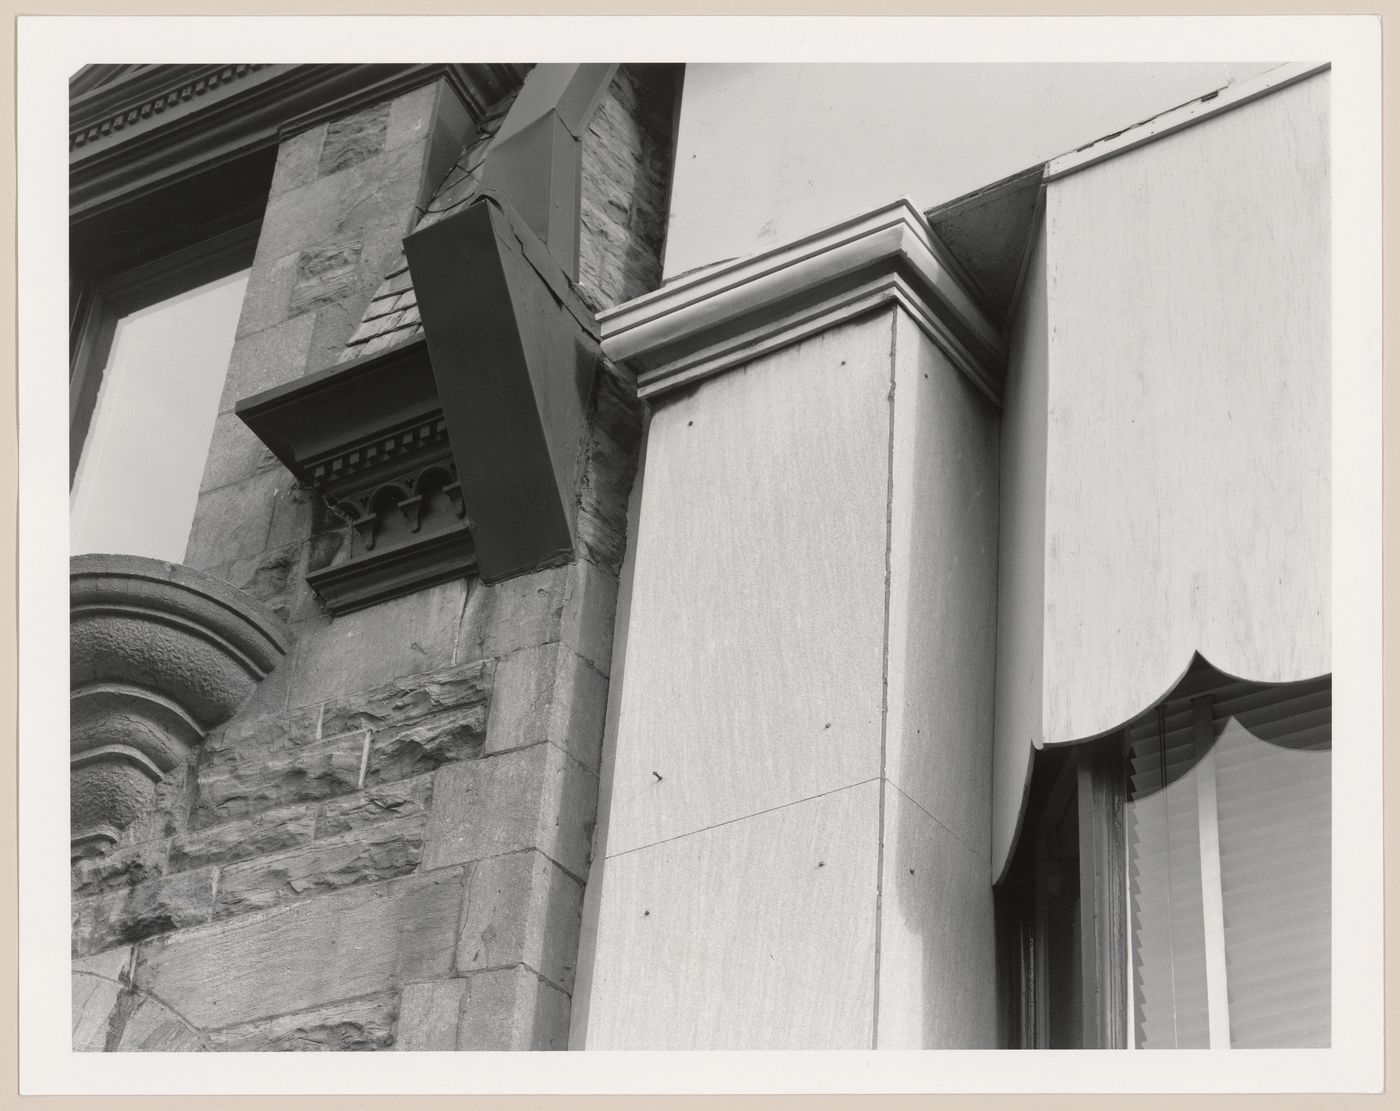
(160, 654)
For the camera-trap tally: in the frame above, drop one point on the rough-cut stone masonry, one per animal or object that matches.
(625, 186)
(386, 848)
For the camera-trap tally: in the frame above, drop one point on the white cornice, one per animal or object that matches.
(1183, 116)
(710, 321)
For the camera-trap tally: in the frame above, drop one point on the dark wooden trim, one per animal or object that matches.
(370, 437)
(102, 303)
(1103, 900)
(515, 362)
(392, 572)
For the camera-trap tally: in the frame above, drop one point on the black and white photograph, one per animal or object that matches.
(707, 553)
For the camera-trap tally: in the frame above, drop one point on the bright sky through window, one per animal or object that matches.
(140, 471)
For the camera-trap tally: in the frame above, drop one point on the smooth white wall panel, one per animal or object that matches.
(825, 141)
(757, 934)
(754, 671)
(938, 975)
(1189, 437)
(943, 571)
(1021, 559)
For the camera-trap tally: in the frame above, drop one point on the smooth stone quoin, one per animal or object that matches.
(160, 655)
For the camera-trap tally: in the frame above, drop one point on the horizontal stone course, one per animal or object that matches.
(123, 867)
(410, 635)
(351, 1025)
(410, 698)
(512, 1009)
(521, 909)
(235, 785)
(412, 725)
(548, 694)
(357, 942)
(532, 798)
(270, 831)
(156, 906)
(379, 851)
(405, 798)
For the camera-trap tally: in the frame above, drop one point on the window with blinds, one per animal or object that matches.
(1228, 843)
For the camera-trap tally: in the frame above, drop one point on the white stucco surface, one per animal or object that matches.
(767, 153)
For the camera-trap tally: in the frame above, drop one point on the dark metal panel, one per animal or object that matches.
(514, 365)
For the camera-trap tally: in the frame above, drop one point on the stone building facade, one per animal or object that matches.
(393, 830)
(654, 585)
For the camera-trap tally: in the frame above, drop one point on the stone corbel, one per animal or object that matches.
(160, 655)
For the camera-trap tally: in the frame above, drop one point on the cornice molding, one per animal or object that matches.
(1182, 116)
(712, 320)
(112, 108)
(370, 436)
(236, 116)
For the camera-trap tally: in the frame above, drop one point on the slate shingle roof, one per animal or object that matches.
(391, 318)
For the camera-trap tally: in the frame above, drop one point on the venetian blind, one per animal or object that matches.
(1229, 866)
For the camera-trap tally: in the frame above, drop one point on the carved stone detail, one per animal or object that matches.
(370, 437)
(160, 655)
(158, 102)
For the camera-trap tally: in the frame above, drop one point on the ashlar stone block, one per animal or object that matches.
(521, 909)
(355, 1024)
(353, 943)
(534, 798)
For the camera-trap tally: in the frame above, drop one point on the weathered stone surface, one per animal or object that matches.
(354, 138)
(270, 357)
(174, 798)
(324, 274)
(623, 190)
(299, 514)
(410, 698)
(610, 467)
(512, 1008)
(143, 1024)
(387, 802)
(125, 866)
(429, 1014)
(234, 453)
(159, 905)
(411, 750)
(574, 604)
(410, 117)
(521, 909)
(255, 737)
(233, 521)
(298, 159)
(269, 294)
(269, 832)
(108, 1014)
(375, 192)
(403, 636)
(98, 982)
(355, 1024)
(520, 612)
(375, 852)
(534, 798)
(272, 577)
(353, 943)
(589, 612)
(548, 694)
(246, 784)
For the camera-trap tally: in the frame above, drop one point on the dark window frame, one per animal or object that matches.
(1087, 779)
(99, 304)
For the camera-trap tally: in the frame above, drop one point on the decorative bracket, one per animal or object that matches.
(370, 437)
(160, 655)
